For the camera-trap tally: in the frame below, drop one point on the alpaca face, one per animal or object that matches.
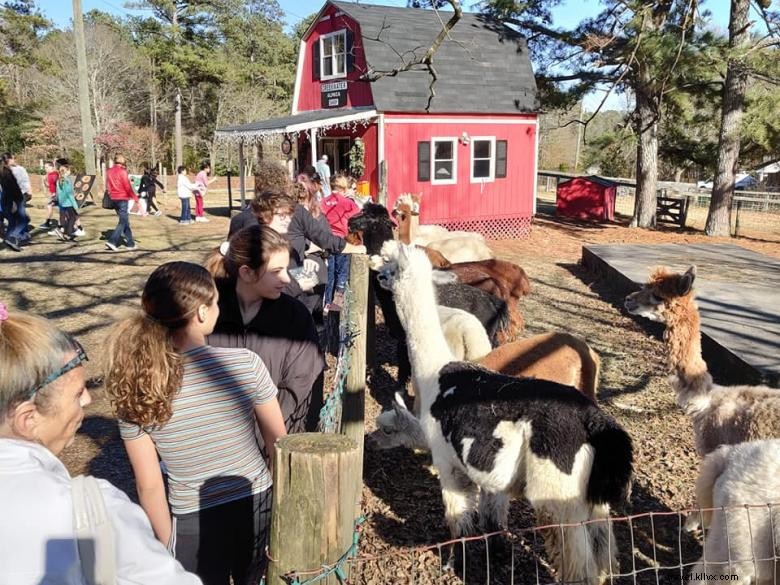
(661, 290)
(398, 428)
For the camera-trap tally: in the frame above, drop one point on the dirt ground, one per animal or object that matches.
(86, 288)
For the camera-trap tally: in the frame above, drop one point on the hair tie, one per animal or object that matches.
(3, 312)
(224, 247)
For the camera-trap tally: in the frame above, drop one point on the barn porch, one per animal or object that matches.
(737, 292)
(308, 135)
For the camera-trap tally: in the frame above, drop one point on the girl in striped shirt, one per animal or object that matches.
(195, 407)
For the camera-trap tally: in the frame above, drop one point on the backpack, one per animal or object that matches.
(94, 532)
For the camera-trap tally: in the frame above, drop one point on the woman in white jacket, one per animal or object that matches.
(184, 189)
(42, 400)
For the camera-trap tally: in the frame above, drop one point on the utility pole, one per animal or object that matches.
(87, 132)
(177, 138)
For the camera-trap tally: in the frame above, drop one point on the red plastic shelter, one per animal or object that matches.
(591, 198)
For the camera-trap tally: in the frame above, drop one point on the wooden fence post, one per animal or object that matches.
(353, 405)
(314, 494)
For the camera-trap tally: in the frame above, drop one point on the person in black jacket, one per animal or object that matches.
(255, 313)
(13, 205)
(149, 184)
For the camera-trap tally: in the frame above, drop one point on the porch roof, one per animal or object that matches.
(293, 125)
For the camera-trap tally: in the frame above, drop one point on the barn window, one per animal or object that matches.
(444, 162)
(333, 55)
(483, 159)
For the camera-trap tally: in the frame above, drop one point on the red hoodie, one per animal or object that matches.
(118, 184)
(338, 209)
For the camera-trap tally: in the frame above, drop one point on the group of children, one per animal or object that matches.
(185, 189)
(59, 183)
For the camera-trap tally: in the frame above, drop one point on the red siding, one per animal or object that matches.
(511, 196)
(358, 92)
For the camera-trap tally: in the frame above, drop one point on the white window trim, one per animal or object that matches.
(492, 177)
(454, 179)
(342, 32)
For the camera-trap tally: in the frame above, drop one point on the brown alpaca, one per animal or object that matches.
(556, 356)
(721, 415)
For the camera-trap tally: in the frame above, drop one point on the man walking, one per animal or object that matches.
(121, 193)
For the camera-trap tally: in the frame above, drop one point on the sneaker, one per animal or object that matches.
(131, 248)
(54, 232)
(61, 235)
(112, 247)
(185, 222)
(13, 243)
(45, 224)
(201, 219)
(157, 213)
(78, 232)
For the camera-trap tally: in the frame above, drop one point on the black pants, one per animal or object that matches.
(225, 541)
(150, 205)
(68, 218)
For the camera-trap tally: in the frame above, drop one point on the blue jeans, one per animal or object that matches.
(18, 220)
(123, 227)
(338, 274)
(185, 209)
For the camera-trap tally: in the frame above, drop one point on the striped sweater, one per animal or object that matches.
(209, 444)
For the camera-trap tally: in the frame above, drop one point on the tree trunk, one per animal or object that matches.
(719, 217)
(646, 127)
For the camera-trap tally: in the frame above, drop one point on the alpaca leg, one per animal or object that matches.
(459, 494)
(493, 511)
(602, 544)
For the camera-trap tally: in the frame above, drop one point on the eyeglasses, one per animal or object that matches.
(283, 214)
(81, 357)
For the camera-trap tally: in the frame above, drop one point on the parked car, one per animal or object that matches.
(741, 181)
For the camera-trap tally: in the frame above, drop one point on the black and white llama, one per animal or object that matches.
(505, 436)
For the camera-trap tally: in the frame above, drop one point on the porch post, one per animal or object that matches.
(380, 162)
(241, 172)
(313, 140)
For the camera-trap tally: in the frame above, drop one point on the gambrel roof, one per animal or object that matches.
(484, 66)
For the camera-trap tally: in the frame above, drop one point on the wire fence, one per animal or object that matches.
(344, 326)
(742, 544)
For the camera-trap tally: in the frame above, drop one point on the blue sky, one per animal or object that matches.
(568, 14)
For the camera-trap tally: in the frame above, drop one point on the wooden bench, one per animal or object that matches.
(673, 210)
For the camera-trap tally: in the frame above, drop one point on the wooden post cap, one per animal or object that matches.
(315, 443)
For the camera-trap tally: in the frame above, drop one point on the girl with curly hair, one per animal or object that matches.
(195, 407)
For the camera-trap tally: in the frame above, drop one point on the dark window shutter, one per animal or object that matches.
(315, 59)
(501, 146)
(423, 161)
(350, 48)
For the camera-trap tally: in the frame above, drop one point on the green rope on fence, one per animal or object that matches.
(337, 568)
(330, 413)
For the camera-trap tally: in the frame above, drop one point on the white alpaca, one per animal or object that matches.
(465, 335)
(739, 541)
(463, 248)
(507, 436)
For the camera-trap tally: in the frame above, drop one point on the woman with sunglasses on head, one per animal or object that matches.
(256, 313)
(42, 400)
(195, 407)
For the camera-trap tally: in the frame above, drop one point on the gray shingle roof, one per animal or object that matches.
(483, 68)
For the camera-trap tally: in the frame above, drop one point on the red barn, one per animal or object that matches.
(587, 198)
(471, 149)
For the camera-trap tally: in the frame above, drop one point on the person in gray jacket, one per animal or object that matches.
(251, 274)
(42, 400)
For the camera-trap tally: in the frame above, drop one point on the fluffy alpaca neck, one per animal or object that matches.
(683, 346)
(405, 229)
(415, 301)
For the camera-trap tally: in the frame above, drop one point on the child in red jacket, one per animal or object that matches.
(337, 209)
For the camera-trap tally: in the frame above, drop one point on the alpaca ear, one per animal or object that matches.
(685, 282)
(399, 403)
